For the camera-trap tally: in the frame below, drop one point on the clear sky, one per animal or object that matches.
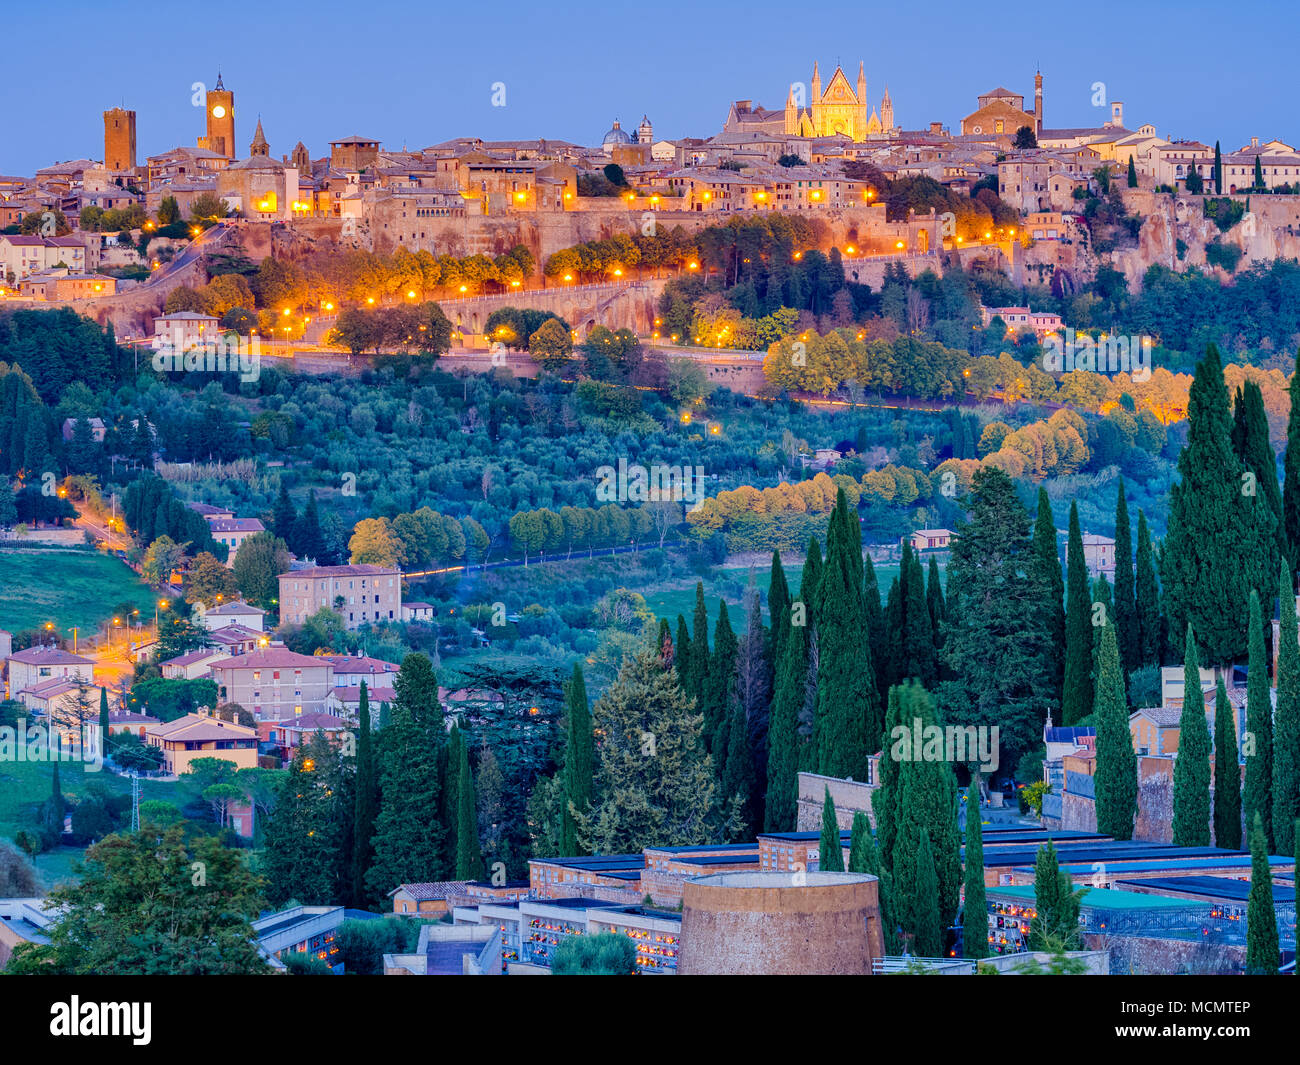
(409, 74)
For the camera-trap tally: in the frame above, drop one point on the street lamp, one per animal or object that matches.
(162, 604)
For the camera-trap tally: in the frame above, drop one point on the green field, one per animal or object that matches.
(729, 583)
(68, 586)
(23, 785)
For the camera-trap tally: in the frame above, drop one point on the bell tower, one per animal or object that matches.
(221, 121)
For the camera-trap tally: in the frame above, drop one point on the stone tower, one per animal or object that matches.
(887, 111)
(816, 98)
(645, 133)
(259, 145)
(1038, 102)
(862, 94)
(301, 158)
(221, 121)
(119, 139)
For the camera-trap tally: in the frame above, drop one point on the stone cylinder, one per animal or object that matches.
(780, 923)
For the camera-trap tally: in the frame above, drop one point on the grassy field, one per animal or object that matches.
(729, 584)
(68, 586)
(25, 784)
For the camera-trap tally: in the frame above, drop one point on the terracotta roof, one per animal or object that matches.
(364, 570)
(47, 656)
(430, 892)
(270, 658)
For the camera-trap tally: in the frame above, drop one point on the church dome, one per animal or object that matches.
(617, 135)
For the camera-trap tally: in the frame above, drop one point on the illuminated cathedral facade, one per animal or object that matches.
(838, 110)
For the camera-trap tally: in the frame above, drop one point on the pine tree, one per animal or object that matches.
(1126, 623)
(1291, 473)
(1261, 913)
(654, 782)
(975, 917)
(301, 851)
(469, 855)
(1047, 563)
(1150, 624)
(1257, 743)
(1219, 537)
(1116, 774)
(847, 728)
(579, 755)
(1286, 722)
(408, 838)
(1077, 694)
(366, 802)
(829, 847)
(921, 917)
(1227, 774)
(1192, 766)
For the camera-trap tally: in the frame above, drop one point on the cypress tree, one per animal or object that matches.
(449, 773)
(699, 648)
(1286, 722)
(1116, 773)
(720, 691)
(847, 724)
(975, 917)
(284, 516)
(1103, 616)
(682, 658)
(469, 856)
(884, 800)
(921, 917)
(805, 608)
(1219, 537)
(1076, 698)
(1192, 766)
(1259, 174)
(103, 720)
(579, 761)
(366, 802)
(1250, 441)
(1261, 913)
(895, 630)
(877, 637)
(778, 602)
(1047, 562)
(1291, 473)
(1126, 623)
(1056, 903)
(1227, 774)
(918, 639)
(1257, 743)
(1132, 174)
(783, 727)
(934, 600)
(1218, 170)
(864, 857)
(1150, 624)
(831, 854)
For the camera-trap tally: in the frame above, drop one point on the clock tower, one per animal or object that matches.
(221, 121)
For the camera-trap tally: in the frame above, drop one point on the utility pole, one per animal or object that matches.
(135, 802)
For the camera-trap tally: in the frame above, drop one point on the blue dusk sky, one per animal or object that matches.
(414, 75)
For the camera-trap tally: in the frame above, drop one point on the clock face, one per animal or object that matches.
(218, 112)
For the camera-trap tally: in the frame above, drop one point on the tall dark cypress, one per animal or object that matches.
(1076, 701)
(934, 600)
(1227, 774)
(1291, 473)
(1257, 742)
(1192, 766)
(876, 636)
(1250, 440)
(366, 802)
(1286, 722)
(1261, 911)
(921, 656)
(1115, 780)
(895, 630)
(783, 727)
(975, 917)
(1047, 560)
(778, 602)
(1126, 624)
(830, 851)
(682, 655)
(720, 691)
(579, 760)
(1150, 622)
(1103, 616)
(699, 648)
(469, 855)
